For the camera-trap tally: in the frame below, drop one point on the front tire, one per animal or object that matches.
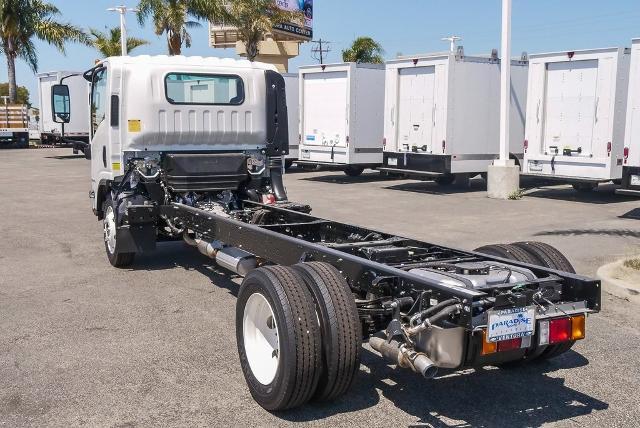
(109, 224)
(278, 337)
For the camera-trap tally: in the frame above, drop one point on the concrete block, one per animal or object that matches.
(502, 181)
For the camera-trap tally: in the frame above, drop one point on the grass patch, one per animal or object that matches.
(632, 263)
(516, 194)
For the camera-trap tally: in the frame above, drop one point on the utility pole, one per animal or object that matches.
(122, 10)
(319, 51)
(452, 42)
(504, 175)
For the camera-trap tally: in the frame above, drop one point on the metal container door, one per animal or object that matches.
(416, 113)
(326, 108)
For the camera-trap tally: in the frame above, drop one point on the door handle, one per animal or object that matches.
(595, 114)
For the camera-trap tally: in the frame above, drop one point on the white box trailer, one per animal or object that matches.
(76, 130)
(293, 109)
(576, 116)
(442, 114)
(631, 153)
(341, 114)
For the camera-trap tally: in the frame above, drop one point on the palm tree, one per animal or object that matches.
(254, 19)
(364, 50)
(172, 18)
(22, 21)
(108, 43)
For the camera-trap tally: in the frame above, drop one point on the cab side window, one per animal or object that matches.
(98, 99)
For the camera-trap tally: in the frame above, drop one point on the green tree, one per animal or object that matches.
(22, 21)
(22, 94)
(364, 50)
(108, 43)
(255, 19)
(174, 17)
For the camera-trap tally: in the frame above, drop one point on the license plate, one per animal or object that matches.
(511, 323)
(392, 161)
(537, 167)
(6, 134)
(635, 180)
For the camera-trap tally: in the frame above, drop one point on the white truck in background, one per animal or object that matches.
(631, 167)
(577, 102)
(442, 115)
(14, 126)
(341, 114)
(293, 91)
(52, 131)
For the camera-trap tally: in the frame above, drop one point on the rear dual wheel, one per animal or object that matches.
(298, 334)
(540, 254)
(353, 170)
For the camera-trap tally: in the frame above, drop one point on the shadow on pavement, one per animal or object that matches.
(65, 157)
(622, 233)
(525, 396)
(604, 195)
(341, 178)
(634, 214)
(432, 188)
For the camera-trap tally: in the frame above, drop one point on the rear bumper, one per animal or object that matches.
(409, 163)
(627, 188)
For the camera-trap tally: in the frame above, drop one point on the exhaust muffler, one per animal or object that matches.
(399, 354)
(234, 259)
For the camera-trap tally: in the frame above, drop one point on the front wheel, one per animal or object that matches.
(109, 225)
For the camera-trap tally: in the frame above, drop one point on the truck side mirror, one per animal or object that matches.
(60, 104)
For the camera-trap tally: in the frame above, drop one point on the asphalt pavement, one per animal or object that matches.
(84, 344)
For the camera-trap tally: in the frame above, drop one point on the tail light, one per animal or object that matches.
(347, 141)
(488, 347)
(299, 138)
(561, 330)
(526, 145)
(444, 145)
(626, 154)
(384, 143)
(609, 148)
(509, 345)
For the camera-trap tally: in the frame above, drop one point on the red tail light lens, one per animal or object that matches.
(559, 330)
(509, 345)
(626, 154)
(609, 148)
(384, 143)
(526, 145)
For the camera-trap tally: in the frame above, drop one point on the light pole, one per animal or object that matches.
(122, 10)
(504, 175)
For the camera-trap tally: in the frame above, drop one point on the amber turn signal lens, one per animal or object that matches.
(577, 327)
(488, 347)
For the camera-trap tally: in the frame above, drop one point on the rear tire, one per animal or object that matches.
(585, 187)
(353, 171)
(109, 222)
(445, 180)
(275, 298)
(549, 256)
(339, 325)
(510, 252)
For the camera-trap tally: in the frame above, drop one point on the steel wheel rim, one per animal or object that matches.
(109, 224)
(260, 337)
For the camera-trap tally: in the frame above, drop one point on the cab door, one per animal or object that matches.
(99, 126)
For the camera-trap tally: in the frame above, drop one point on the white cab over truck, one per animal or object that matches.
(442, 115)
(76, 132)
(341, 116)
(291, 82)
(191, 149)
(631, 151)
(576, 109)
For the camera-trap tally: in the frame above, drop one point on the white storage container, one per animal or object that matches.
(631, 153)
(576, 115)
(293, 108)
(341, 115)
(442, 114)
(78, 128)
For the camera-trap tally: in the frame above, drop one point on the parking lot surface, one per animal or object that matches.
(82, 343)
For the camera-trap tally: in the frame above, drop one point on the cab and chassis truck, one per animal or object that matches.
(191, 149)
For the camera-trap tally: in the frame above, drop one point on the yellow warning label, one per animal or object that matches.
(135, 125)
(115, 166)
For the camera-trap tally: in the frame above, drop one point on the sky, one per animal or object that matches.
(401, 27)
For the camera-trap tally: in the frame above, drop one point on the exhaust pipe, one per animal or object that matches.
(234, 259)
(399, 354)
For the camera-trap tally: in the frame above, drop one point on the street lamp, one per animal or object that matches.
(122, 10)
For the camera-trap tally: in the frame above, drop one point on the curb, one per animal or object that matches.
(612, 285)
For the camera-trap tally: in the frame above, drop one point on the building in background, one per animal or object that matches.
(277, 48)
